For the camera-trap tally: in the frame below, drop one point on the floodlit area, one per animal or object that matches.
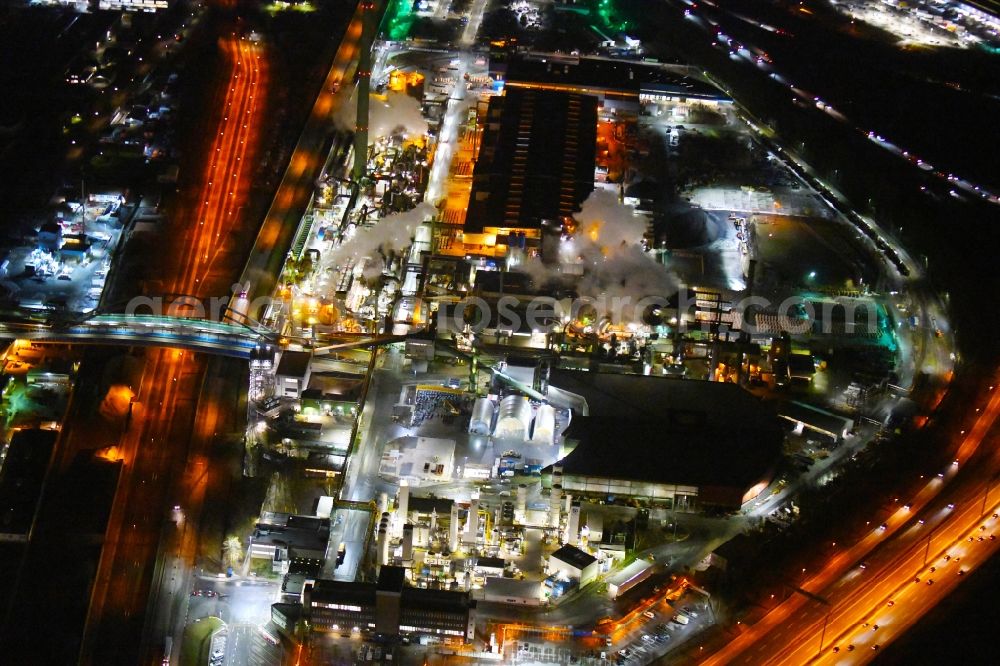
(449, 394)
(419, 114)
(529, 341)
(928, 23)
(65, 265)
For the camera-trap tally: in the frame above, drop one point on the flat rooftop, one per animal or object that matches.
(574, 556)
(671, 431)
(21, 479)
(296, 532)
(447, 601)
(640, 397)
(293, 364)
(603, 75)
(391, 579)
(536, 160)
(415, 598)
(623, 576)
(333, 386)
(344, 592)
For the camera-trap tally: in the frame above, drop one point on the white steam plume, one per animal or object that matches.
(608, 222)
(607, 246)
(387, 114)
(392, 233)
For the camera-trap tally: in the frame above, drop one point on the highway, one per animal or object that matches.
(909, 598)
(841, 582)
(161, 430)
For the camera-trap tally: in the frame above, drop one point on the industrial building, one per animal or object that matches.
(514, 591)
(420, 460)
(292, 374)
(819, 421)
(389, 608)
(535, 164)
(625, 579)
(331, 393)
(573, 564)
(688, 444)
(289, 540)
(22, 475)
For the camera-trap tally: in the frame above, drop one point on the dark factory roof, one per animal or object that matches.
(536, 161)
(662, 430)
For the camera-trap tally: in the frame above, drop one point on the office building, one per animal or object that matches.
(389, 608)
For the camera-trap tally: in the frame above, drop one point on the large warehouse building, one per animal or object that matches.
(535, 165)
(689, 444)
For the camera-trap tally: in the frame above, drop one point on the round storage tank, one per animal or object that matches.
(545, 425)
(481, 422)
(514, 418)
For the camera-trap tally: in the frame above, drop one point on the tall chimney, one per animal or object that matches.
(407, 542)
(573, 525)
(555, 503)
(472, 526)
(383, 540)
(369, 15)
(402, 505)
(453, 529)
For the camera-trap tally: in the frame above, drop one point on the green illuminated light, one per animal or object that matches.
(399, 19)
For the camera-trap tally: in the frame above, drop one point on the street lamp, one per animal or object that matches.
(822, 635)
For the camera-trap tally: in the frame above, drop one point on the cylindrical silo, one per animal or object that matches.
(573, 525)
(522, 501)
(483, 411)
(513, 418)
(545, 425)
(407, 542)
(453, 529)
(555, 504)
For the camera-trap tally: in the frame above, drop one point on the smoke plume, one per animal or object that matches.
(390, 234)
(394, 112)
(607, 249)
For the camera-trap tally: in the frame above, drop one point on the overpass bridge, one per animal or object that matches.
(147, 330)
(198, 335)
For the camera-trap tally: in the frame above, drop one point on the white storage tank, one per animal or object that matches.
(514, 418)
(573, 525)
(522, 501)
(545, 425)
(483, 411)
(555, 505)
(421, 536)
